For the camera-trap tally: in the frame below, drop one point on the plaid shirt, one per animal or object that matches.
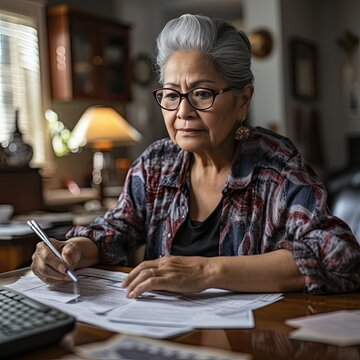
(271, 200)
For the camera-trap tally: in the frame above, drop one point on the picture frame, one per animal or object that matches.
(303, 54)
(142, 70)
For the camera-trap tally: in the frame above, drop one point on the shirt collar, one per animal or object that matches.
(179, 170)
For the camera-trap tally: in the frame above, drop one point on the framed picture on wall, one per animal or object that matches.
(303, 57)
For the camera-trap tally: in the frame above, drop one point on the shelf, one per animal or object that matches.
(89, 56)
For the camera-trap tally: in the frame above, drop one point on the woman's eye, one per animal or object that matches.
(172, 96)
(203, 94)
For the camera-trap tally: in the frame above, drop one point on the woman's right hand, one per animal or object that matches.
(48, 267)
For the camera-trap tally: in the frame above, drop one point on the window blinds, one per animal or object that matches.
(20, 83)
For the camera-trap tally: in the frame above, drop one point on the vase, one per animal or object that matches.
(18, 153)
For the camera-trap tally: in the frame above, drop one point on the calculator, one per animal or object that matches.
(28, 324)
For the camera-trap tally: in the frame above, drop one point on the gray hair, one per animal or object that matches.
(227, 48)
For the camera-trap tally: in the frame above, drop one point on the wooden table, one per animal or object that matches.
(268, 340)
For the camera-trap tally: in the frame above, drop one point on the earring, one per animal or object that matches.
(242, 132)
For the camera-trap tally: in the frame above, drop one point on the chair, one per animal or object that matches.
(346, 206)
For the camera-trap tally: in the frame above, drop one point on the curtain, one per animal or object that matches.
(20, 83)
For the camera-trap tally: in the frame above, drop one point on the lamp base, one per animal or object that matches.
(98, 174)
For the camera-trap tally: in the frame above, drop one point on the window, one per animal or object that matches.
(20, 83)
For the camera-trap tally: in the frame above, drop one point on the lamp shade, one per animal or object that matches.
(103, 127)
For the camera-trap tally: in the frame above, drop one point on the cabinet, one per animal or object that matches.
(89, 56)
(21, 187)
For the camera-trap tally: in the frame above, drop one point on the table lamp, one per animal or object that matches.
(102, 127)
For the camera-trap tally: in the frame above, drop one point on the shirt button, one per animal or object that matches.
(169, 235)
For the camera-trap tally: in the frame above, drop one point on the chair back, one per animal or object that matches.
(346, 206)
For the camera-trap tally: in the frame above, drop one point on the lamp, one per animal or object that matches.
(102, 128)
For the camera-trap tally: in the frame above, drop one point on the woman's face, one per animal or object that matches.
(207, 130)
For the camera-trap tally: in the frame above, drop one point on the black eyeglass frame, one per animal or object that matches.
(215, 93)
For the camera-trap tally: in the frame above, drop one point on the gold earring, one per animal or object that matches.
(242, 132)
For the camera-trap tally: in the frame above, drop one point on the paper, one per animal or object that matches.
(103, 302)
(94, 305)
(341, 328)
(182, 310)
(228, 303)
(17, 229)
(130, 347)
(98, 292)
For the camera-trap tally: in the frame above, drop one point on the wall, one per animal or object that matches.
(267, 108)
(299, 21)
(324, 22)
(349, 19)
(146, 22)
(335, 17)
(327, 31)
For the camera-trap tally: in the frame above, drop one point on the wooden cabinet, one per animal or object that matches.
(22, 188)
(89, 56)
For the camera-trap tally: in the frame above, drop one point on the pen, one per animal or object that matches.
(35, 227)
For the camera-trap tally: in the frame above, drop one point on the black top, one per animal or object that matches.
(198, 238)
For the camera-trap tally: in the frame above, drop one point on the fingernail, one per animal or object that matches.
(131, 295)
(61, 268)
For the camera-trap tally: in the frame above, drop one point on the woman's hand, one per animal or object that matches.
(48, 267)
(169, 273)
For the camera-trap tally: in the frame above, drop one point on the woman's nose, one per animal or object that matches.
(185, 110)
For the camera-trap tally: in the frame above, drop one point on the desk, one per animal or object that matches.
(268, 340)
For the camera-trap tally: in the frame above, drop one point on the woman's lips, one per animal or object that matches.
(189, 132)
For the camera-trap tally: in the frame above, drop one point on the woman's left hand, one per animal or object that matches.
(169, 273)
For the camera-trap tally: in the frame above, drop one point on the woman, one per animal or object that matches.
(218, 204)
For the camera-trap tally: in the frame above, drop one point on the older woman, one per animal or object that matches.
(218, 204)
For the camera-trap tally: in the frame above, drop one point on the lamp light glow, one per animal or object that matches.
(102, 128)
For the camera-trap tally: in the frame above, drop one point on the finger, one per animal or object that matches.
(44, 254)
(47, 274)
(146, 281)
(134, 273)
(141, 276)
(50, 278)
(46, 264)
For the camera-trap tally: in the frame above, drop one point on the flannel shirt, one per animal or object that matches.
(271, 200)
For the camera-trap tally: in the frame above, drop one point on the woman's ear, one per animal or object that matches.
(244, 101)
(246, 95)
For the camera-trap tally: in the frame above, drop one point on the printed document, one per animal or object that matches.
(103, 302)
(131, 347)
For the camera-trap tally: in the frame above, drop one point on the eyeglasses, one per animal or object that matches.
(199, 98)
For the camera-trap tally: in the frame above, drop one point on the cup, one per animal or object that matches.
(6, 211)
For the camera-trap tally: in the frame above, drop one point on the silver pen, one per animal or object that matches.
(35, 227)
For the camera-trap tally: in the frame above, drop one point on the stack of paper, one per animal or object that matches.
(103, 302)
(341, 328)
(131, 347)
